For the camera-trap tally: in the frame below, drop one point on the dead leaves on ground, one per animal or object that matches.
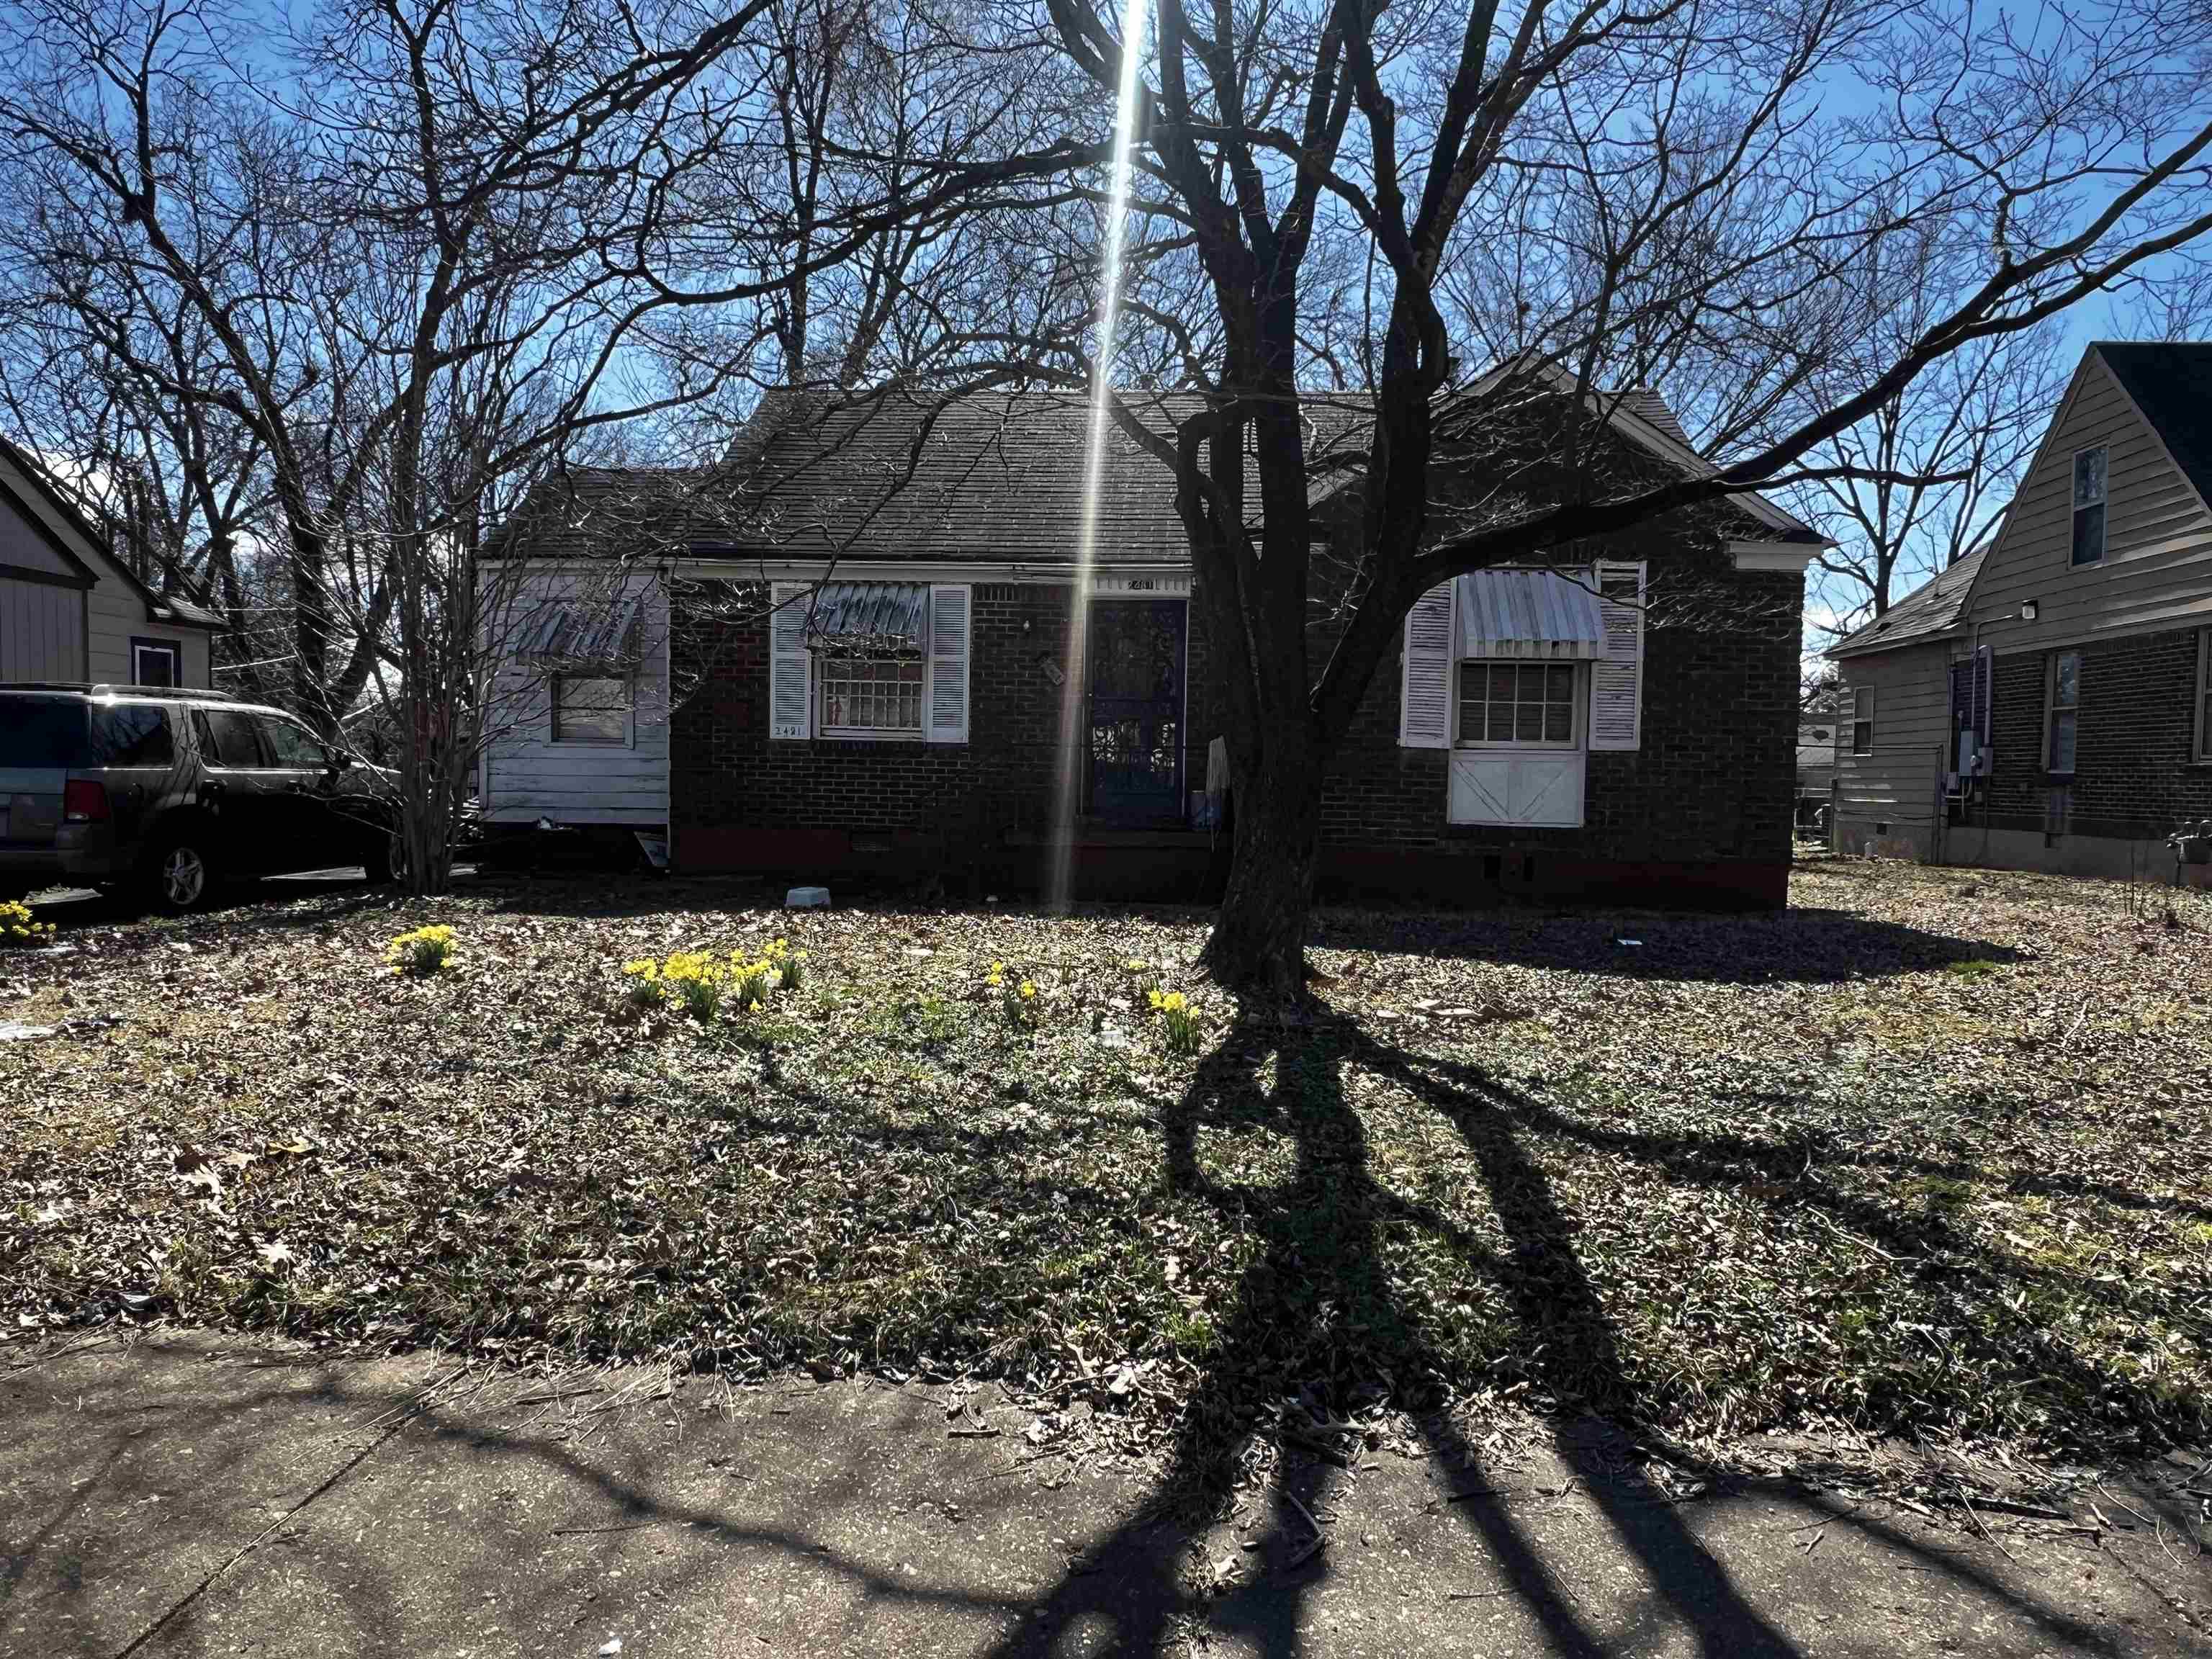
(1929, 1151)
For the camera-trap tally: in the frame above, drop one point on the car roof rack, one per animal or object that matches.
(186, 693)
(108, 689)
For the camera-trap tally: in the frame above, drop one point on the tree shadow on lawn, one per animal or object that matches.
(1318, 1314)
(1800, 946)
(1795, 946)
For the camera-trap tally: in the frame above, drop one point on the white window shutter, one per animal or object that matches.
(1616, 715)
(1424, 713)
(949, 633)
(788, 703)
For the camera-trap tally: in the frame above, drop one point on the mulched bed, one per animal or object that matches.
(1931, 1152)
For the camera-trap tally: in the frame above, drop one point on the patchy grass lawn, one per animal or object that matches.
(1931, 1151)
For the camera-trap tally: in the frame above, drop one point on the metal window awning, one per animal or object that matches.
(580, 636)
(1537, 614)
(874, 616)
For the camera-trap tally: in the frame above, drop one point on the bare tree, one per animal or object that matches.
(1916, 484)
(1629, 185)
(407, 284)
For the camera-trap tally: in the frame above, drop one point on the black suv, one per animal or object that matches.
(173, 791)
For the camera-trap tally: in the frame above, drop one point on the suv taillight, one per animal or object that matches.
(84, 801)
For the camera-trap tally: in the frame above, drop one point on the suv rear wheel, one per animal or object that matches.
(181, 876)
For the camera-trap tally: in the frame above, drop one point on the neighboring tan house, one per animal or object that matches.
(900, 710)
(2046, 704)
(69, 610)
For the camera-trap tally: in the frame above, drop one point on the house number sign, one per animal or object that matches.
(1169, 587)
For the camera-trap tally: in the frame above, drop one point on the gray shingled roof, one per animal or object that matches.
(1000, 477)
(997, 477)
(2171, 381)
(1928, 612)
(1648, 405)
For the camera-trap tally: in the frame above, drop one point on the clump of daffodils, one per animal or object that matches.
(1018, 998)
(18, 932)
(1177, 1018)
(421, 953)
(705, 986)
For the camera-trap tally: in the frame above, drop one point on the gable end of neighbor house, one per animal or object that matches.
(2070, 675)
(69, 610)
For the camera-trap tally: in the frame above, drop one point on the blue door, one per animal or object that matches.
(1136, 710)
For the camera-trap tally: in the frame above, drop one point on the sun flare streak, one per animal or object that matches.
(1061, 886)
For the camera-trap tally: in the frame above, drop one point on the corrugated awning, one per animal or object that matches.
(593, 636)
(1529, 613)
(881, 616)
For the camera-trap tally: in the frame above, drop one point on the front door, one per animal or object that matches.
(1135, 710)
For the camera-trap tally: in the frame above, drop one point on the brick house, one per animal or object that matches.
(2046, 704)
(856, 657)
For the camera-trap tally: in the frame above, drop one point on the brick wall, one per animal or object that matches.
(725, 775)
(1716, 776)
(2133, 776)
(1711, 786)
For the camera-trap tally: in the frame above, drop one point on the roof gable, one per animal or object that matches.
(24, 484)
(2169, 384)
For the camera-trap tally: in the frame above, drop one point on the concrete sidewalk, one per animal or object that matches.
(198, 1496)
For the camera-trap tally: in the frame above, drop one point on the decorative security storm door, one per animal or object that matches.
(1136, 710)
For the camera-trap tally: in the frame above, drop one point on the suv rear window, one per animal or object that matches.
(132, 734)
(42, 732)
(229, 734)
(287, 745)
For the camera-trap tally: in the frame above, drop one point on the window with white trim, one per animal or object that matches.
(156, 662)
(1517, 705)
(591, 708)
(1863, 720)
(2062, 711)
(2089, 506)
(875, 696)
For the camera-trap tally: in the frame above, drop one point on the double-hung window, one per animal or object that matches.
(2063, 712)
(594, 708)
(1520, 705)
(1863, 720)
(867, 694)
(2088, 507)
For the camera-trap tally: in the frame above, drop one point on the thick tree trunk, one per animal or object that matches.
(1259, 938)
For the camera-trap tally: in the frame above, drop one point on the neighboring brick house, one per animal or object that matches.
(866, 665)
(2046, 704)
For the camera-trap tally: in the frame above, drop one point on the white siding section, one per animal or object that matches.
(2157, 569)
(526, 775)
(41, 631)
(104, 619)
(197, 669)
(1899, 783)
(114, 615)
